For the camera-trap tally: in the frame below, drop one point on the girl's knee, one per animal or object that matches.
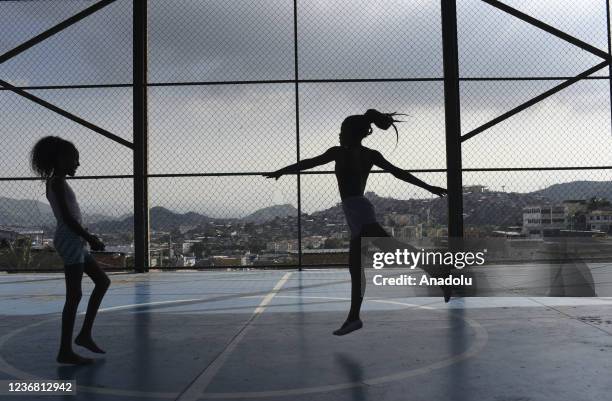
(74, 296)
(105, 282)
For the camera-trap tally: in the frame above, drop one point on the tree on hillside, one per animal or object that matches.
(597, 203)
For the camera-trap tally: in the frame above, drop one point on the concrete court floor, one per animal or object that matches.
(266, 335)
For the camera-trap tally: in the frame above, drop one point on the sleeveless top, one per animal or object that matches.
(73, 206)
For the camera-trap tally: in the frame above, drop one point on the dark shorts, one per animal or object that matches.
(358, 212)
(70, 246)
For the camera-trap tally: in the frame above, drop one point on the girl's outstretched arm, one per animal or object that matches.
(328, 156)
(404, 175)
(57, 185)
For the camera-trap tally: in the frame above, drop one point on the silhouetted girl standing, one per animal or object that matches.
(53, 158)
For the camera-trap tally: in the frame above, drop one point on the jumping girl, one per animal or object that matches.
(54, 158)
(353, 164)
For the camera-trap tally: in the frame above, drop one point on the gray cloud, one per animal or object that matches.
(253, 127)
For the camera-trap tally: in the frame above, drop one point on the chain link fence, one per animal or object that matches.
(237, 89)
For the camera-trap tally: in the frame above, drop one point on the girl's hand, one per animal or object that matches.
(441, 192)
(276, 175)
(95, 243)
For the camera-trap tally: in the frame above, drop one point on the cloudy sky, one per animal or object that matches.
(237, 128)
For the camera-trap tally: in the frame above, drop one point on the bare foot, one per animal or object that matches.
(88, 342)
(448, 291)
(349, 327)
(72, 358)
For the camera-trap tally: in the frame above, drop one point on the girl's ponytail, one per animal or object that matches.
(383, 120)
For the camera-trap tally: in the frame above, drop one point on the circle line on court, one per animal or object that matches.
(480, 341)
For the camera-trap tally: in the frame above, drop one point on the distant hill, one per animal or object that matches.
(487, 208)
(161, 219)
(269, 213)
(25, 212)
(30, 212)
(577, 190)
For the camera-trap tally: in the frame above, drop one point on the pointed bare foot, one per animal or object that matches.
(72, 358)
(88, 342)
(447, 290)
(349, 327)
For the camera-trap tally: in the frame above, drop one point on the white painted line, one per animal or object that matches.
(196, 389)
(264, 302)
(479, 340)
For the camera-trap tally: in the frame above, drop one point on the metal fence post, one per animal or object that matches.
(141, 193)
(609, 51)
(452, 118)
(297, 134)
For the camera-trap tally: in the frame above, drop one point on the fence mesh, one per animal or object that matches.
(222, 97)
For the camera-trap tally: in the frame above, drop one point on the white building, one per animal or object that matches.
(12, 233)
(187, 245)
(407, 233)
(600, 219)
(282, 245)
(537, 219)
(313, 241)
(187, 261)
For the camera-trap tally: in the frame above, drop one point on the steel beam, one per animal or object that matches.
(452, 118)
(548, 28)
(533, 101)
(297, 132)
(66, 114)
(141, 192)
(53, 30)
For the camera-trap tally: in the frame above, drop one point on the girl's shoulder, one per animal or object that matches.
(55, 178)
(54, 181)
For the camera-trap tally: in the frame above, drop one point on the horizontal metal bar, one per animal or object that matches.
(324, 172)
(81, 177)
(469, 79)
(67, 114)
(439, 170)
(292, 81)
(548, 28)
(509, 169)
(84, 86)
(55, 29)
(466, 79)
(533, 101)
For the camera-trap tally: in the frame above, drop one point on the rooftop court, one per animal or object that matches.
(262, 335)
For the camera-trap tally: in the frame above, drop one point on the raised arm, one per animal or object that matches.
(328, 156)
(404, 175)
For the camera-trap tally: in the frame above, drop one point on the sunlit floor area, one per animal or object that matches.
(267, 335)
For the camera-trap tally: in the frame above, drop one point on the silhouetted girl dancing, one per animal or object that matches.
(353, 164)
(53, 158)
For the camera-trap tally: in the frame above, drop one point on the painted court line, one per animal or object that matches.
(196, 388)
(479, 343)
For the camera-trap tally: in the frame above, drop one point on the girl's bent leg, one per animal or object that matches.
(102, 282)
(391, 244)
(73, 275)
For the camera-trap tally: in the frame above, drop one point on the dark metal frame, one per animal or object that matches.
(451, 82)
(297, 131)
(452, 109)
(141, 142)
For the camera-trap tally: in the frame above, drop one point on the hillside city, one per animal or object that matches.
(269, 236)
